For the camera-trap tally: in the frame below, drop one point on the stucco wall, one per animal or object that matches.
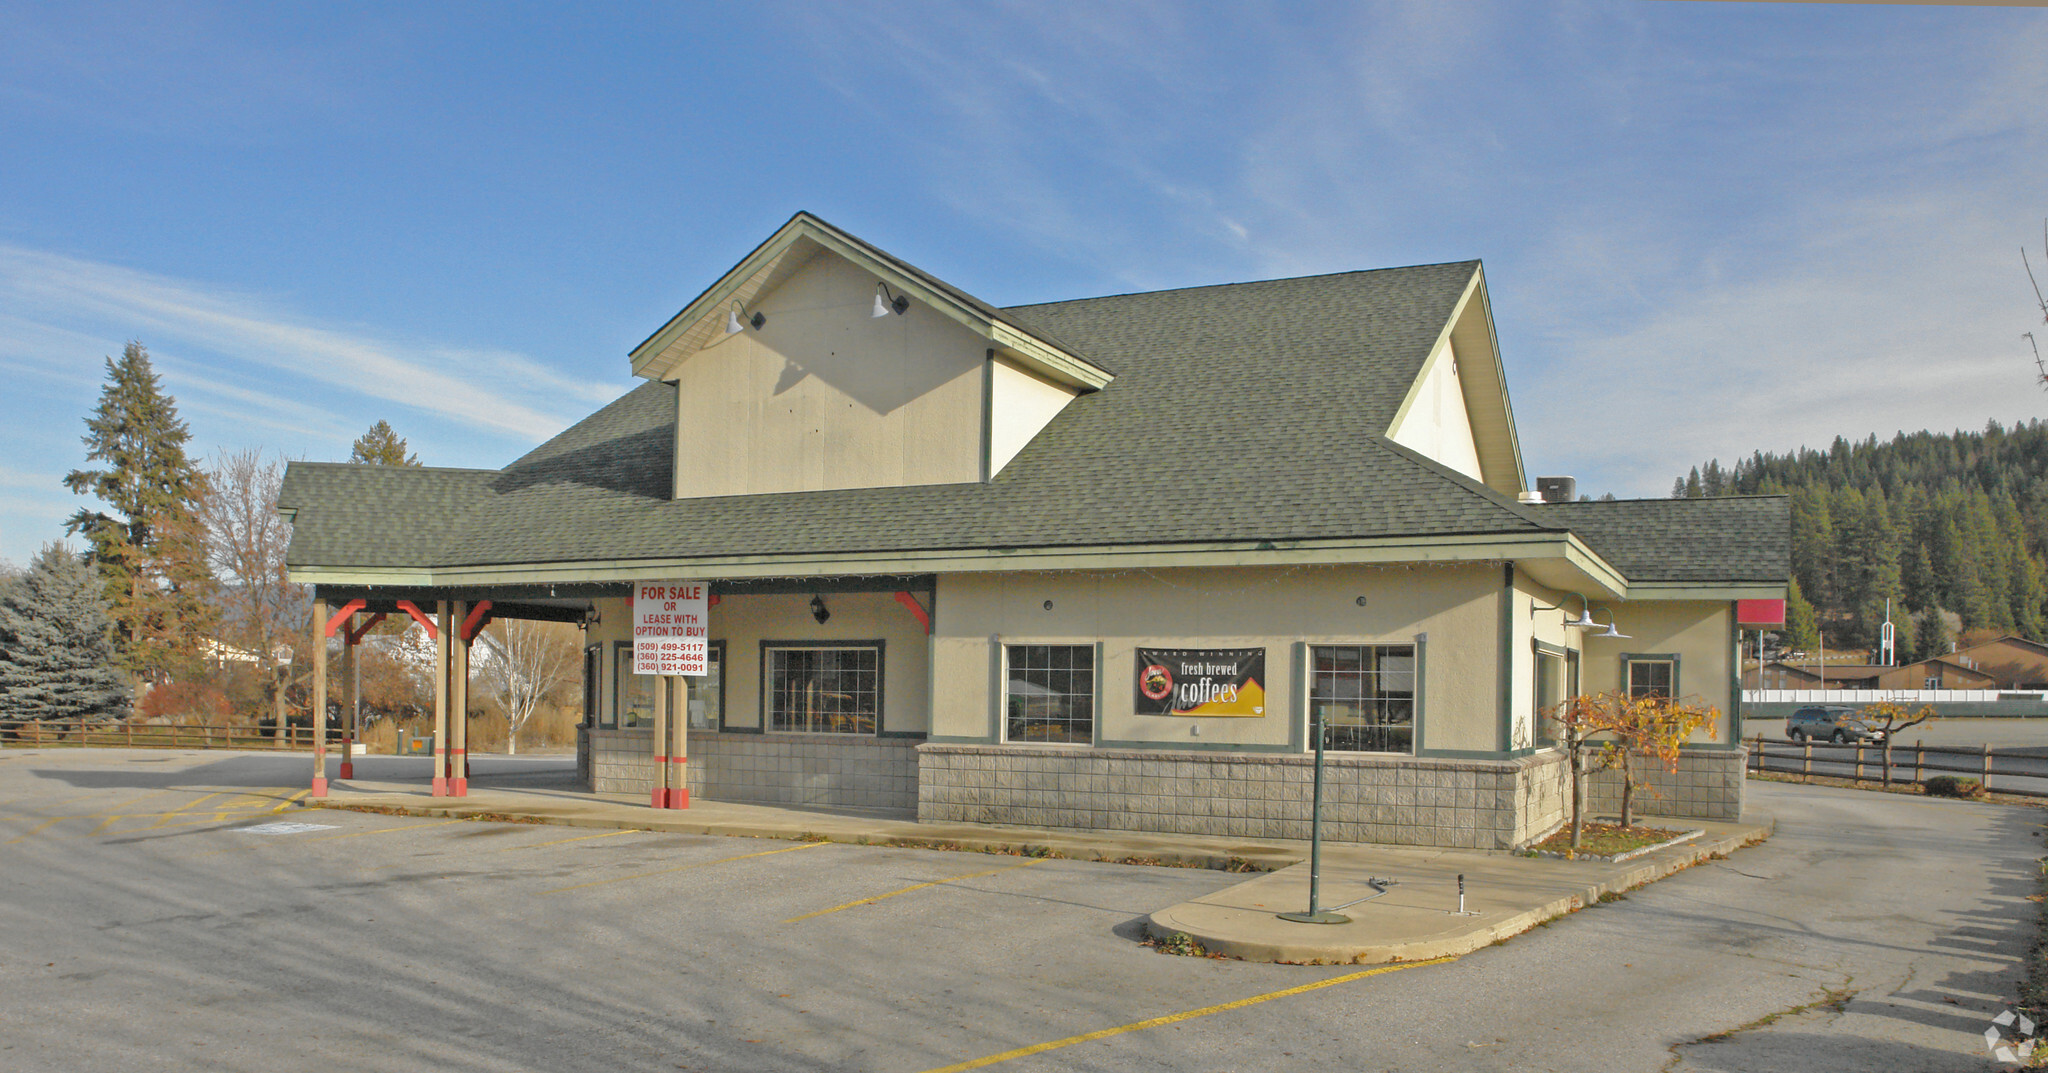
(826, 395)
(743, 622)
(1276, 608)
(1700, 632)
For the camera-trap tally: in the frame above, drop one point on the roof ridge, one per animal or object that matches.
(1239, 283)
(393, 469)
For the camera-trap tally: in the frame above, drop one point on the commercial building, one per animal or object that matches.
(1098, 563)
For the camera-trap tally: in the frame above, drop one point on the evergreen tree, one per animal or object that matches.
(1802, 626)
(56, 644)
(1930, 635)
(381, 447)
(151, 554)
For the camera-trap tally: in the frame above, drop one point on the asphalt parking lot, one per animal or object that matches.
(153, 918)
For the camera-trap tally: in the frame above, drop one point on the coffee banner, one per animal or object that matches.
(1201, 681)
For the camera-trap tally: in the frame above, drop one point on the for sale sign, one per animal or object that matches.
(1201, 681)
(671, 627)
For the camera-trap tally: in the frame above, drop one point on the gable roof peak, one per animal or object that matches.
(805, 236)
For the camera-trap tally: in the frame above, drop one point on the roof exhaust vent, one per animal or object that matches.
(1558, 489)
(1529, 497)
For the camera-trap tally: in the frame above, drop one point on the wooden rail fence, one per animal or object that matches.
(47, 734)
(1887, 763)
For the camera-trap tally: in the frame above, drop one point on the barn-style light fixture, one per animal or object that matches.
(1583, 622)
(1611, 632)
(732, 318)
(888, 301)
(818, 610)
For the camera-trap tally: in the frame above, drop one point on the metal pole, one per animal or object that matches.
(1316, 913)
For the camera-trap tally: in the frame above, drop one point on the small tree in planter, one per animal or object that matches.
(1600, 731)
(1887, 719)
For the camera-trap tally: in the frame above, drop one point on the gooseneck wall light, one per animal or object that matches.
(733, 315)
(1583, 622)
(888, 301)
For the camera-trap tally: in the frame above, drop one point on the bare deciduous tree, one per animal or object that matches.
(264, 614)
(2040, 366)
(531, 664)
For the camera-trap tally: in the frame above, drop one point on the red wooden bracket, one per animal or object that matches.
(420, 617)
(924, 617)
(355, 633)
(711, 600)
(478, 617)
(342, 615)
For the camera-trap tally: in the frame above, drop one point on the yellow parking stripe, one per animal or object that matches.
(578, 838)
(919, 886)
(31, 832)
(1187, 1015)
(684, 867)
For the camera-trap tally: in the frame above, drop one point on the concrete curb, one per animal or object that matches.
(1106, 846)
(1260, 936)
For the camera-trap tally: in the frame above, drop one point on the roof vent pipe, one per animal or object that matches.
(1558, 489)
(1529, 497)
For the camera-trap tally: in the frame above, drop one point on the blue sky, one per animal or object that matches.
(1708, 227)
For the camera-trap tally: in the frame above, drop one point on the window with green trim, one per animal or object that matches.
(1365, 696)
(1653, 678)
(1049, 693)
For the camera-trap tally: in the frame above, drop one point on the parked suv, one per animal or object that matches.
(1833, 722)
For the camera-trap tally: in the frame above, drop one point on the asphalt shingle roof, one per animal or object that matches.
(1734, 538)
(1247, 411)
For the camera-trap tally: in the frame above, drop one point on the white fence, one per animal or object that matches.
(1896, 696)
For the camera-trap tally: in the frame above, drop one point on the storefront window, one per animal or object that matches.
(824, 690)
(633, 694)
(1050, 693)
(593, 686)
(707, 693)
(1365, 696)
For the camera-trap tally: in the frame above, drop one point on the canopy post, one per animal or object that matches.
(458, 758)
(441, 699)
(319, 697)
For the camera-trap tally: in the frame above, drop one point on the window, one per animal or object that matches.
(1652, 678)
(593, 685)
(1931, 682)
(824, 690)
(707, 693)
(1365, 696)
(1550, 684)
(632, 694)
(1049, 693)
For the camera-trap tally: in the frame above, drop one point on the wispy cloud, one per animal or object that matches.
(490, 390)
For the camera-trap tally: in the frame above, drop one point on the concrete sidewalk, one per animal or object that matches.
(1417, 919)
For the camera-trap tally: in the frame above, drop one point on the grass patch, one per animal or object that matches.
(1606, 839)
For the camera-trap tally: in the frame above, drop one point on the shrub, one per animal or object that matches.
(1951, 786)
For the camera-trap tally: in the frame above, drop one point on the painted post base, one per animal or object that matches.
(440, 786)
(319, 786)
(659, 798)
(348, 770)
(461, 788)
(679, 799)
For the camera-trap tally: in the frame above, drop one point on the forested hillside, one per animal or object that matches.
(1955, 523)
